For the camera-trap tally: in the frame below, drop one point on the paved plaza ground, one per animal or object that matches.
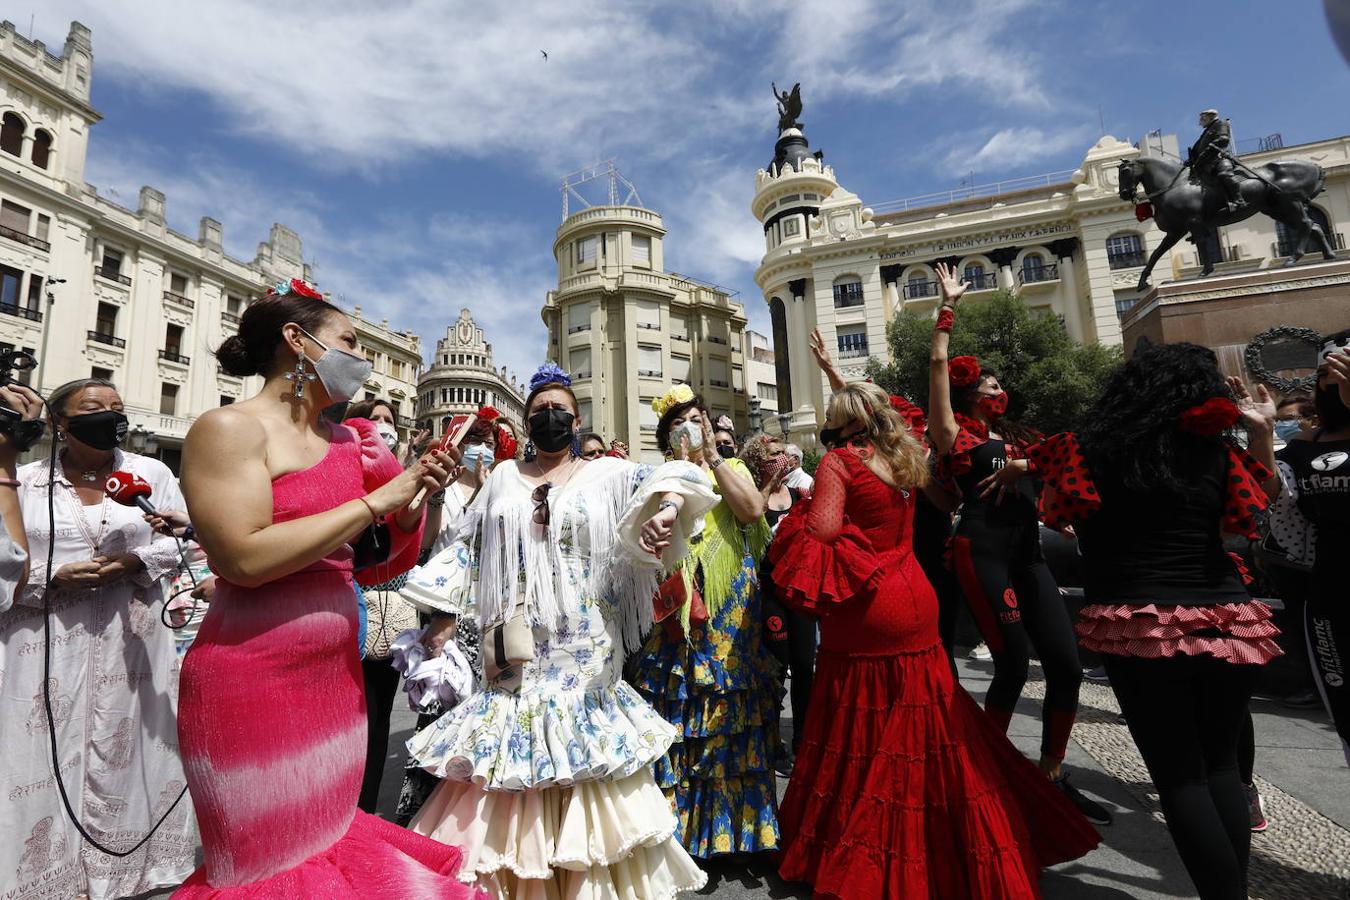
(1299, 768)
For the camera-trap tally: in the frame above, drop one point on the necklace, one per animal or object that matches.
(89, 476)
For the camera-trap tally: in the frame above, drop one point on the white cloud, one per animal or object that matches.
(1010, 148)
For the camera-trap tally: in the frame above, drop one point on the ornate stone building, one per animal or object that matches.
(463, 378)
(94, 288)
(626, 329)
(1065, 241)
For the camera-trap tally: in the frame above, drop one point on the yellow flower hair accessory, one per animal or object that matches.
(680, 393)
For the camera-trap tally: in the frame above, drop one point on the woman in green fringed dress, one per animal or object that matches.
(712, 678)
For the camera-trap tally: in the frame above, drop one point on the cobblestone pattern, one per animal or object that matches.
(1302, 855)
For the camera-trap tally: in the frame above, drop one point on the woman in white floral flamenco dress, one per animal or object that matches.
(547, 769)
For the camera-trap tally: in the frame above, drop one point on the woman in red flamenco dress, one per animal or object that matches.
(271, 716)
(903, 786)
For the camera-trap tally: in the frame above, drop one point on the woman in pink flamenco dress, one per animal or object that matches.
(271, 719)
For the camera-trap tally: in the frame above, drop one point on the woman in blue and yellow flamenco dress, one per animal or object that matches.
(705, 667)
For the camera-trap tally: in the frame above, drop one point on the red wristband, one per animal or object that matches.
(945, 319)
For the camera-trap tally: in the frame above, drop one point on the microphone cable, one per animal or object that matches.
(47, 671)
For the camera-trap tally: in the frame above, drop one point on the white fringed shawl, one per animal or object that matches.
(602, 508)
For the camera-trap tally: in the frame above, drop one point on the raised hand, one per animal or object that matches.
(819, 350)
(950, 283)
(1258, 412)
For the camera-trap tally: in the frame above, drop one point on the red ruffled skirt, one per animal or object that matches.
(903, 787)
(1239, 633)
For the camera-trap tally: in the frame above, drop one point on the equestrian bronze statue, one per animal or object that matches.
(1223, 190)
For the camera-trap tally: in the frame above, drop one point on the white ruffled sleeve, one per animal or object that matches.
(683, 478)
(444, 586)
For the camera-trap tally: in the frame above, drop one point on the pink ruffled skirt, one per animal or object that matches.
(1238, 633)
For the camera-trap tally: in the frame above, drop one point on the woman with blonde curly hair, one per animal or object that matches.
(902, 787)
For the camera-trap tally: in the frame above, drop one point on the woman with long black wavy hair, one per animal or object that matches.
(1150, 485)
(996, 546)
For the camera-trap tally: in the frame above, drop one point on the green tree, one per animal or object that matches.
(1051, 380)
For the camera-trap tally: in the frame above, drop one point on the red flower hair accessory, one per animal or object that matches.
(963, 371)
(913, 416)
(506, 443)
(1212, 417)
(296, 286)
(489, 414)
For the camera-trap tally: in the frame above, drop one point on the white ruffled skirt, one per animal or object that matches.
(594, 840)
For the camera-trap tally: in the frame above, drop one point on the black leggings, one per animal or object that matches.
(381, 688)
(1186, 714)
(791, 638)
(1014, 599)
(1327, 626)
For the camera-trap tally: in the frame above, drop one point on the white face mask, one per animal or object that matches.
(342, 374)
(390, 435)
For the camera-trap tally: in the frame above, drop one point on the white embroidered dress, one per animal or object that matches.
(549, 787)
(114, 688)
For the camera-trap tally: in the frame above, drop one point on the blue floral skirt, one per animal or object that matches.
(720, 688)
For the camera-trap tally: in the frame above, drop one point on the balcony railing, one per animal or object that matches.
(680, 337)
(1128, 260)
(846, 295)
(1285, 246)
(174, 356)
(717, 340)
(852, 352)
(22, 312)
(187, 302)
(1037, 274)
(719, 384)
(16, 235)
(229, 318)
(652, 326)
(650, 373)
(109, 339)
(584, 373)
(985, 281)
(112, 275)
(579, 328)
(917, 289)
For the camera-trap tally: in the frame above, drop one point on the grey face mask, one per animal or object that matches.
(342, 374)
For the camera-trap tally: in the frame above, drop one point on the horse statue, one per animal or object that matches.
(1281, 190)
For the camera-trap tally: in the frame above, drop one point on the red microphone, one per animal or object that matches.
(130, 489)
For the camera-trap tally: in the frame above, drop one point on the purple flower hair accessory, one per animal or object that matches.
(550, 373)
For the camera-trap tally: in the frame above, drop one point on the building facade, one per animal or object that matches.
(1065, 241)
(92, 288)
(463, 378)
(761, 380)
(626, 329)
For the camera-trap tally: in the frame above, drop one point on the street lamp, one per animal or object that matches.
(785, 424)
(756, 416)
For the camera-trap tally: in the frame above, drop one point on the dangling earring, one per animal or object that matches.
(530, 452)
(576, 445)
(299, 376)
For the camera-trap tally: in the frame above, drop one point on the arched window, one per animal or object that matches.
(1125, 250)
(1034, 269)
(11, 134)
(782, 363)
(848, 291)
(1284, 238)
(42, 148)
(919, 285)
(974, 276)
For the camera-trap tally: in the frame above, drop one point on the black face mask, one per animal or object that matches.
(726, 452)
(551, 429)
(1332, 414)
(101, 430)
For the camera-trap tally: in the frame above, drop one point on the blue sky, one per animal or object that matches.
(418, 145)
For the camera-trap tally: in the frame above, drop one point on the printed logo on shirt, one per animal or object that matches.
(1328, 462)
(1010, 598)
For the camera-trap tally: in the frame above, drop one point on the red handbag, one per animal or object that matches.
(669, 598)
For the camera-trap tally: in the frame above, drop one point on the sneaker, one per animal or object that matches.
(1093, 811)
(1256, 810)
(980, 651)
(1097, 674)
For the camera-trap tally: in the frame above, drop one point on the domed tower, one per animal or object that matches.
(625, 328)
(789, 194)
